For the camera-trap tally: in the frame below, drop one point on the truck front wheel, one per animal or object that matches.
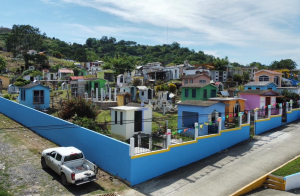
(64, 180)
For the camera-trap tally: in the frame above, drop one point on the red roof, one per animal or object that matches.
(65, 71)
(76, 77)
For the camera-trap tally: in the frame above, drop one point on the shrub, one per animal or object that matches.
(6, 96)
(172, 88)
(79, 106)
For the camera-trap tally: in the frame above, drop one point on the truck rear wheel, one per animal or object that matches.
(64, 180)
(43, 163)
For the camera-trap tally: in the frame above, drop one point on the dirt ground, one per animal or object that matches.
(22, 174)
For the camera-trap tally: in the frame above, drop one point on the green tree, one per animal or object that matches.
(122, 64)
(220, 64)
(237, 78)
(245, 76)
(92, 56)
(283, 64)
(2, 64)
(23, 38)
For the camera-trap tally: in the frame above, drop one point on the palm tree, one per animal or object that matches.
(220, 64)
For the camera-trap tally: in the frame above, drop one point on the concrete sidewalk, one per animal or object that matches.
(227, 171)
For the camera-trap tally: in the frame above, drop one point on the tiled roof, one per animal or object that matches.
(65, 71)
(259, 83)
(198, 85)
(198, 103)
(76, 77)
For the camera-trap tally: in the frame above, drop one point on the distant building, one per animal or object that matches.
(63, 73)
(135, 113)
(35, 96)
(198, 91)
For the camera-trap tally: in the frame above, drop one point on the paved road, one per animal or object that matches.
(228, 171)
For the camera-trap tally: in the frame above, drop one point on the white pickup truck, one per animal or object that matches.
(70, 164)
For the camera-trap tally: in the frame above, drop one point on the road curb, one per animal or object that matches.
(258, 182)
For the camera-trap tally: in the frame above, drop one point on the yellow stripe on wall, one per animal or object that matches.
(189, 142)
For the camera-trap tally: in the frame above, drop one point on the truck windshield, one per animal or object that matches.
(72, 157)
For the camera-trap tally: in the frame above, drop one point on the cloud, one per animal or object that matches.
(256, 24)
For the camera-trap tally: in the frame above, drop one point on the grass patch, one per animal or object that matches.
(160, 121)
(4, 185)
(104, 116)
(291, 168)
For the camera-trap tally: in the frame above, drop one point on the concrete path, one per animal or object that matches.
(230, 170)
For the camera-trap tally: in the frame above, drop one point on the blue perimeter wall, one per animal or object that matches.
(108, 153)
(183, 154)
(292, 116)
(264, 125)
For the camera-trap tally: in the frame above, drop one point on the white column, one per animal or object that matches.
(131, 147)
(101, 94)
(109, 95)
(219, 125)
(269, 111)
(115, 95)
(196, 130)
(287, 106)
(168, 137)
(291, 105)
(96, 94)
(248, 117)
(255, 115)
(280, 109)
(240, 119)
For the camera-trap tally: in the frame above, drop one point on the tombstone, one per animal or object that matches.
(12, 89)
(64, 86)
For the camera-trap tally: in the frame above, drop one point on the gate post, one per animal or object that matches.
(248, 117)
(139, 140)
(219, 125)
(131, 148)
(291, 105)
(240, 119)
(255, 114)
(168, 137)
(269, 111)
(287, 106)
(280, 109)
(196, 130)
(150, 142)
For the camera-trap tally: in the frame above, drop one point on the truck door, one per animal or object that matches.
(57, 163)
(50, 159)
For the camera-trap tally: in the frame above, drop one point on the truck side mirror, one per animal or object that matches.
(96, 169)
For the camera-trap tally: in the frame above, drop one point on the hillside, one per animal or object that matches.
(3, 34)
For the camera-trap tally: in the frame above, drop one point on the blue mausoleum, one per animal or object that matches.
(35, 96)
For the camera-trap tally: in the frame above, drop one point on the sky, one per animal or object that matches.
(245, 31)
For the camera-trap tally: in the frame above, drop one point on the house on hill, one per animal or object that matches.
(261, 86)
(35, 96)
(62, 73)
(259, 98)
(195, 78)
(198, 91)
(268, 76)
